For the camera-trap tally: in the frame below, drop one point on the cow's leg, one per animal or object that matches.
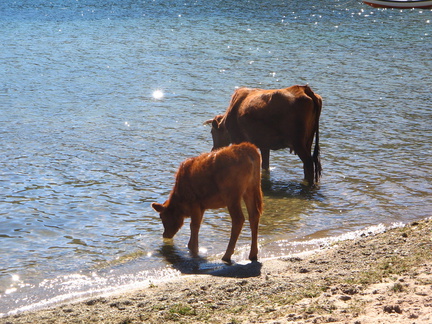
(196, 220)
(254, 217)
(308, 166)
(237, 218)
(265, 157)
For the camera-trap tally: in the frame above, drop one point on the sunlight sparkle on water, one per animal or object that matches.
(158, 94)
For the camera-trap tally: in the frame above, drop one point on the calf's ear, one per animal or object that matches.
(158, 207)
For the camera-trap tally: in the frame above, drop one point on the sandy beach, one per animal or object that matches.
(383, 278)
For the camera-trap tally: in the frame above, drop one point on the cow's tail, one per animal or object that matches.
(316, 154)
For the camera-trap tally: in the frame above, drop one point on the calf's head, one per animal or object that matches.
(172, 219)
(219, 132)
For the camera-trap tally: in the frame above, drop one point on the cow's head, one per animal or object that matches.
(172, 219)
(219, 132)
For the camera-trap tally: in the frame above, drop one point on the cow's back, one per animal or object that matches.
(271, 119)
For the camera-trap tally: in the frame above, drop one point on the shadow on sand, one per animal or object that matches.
(183, 262)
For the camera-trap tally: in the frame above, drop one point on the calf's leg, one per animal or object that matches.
(237, 218)
(253, 202)
(254, 217)
(196, 220)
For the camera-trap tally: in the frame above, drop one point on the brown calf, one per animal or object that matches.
(218, 179)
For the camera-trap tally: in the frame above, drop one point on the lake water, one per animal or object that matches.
(87, 146)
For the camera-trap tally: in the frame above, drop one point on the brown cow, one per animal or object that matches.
(273, 120)
(218, 179)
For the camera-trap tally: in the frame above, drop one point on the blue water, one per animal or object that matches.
(86, 146)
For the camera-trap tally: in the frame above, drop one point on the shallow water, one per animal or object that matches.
(86, 147)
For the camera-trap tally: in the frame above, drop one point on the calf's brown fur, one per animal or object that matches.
(222, 178)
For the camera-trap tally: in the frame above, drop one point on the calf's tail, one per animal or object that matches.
(257, 191)
(258, 196)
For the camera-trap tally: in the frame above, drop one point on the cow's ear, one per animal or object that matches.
(208, 122)
(215, 124)
(158, 207)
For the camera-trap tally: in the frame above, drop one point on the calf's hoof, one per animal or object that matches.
(253, 258)
(227, 259)
(193, 249)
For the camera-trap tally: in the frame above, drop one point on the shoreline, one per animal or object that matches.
(382, 278)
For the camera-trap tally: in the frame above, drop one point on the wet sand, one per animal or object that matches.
(383, 278)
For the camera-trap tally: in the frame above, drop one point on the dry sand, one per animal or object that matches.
(384, 278)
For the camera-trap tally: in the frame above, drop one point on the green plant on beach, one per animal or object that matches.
(183, 310)
(394, 265)
(234, 321)
(126, 321)
(357, 307)
(158, 307)
(397, 287)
